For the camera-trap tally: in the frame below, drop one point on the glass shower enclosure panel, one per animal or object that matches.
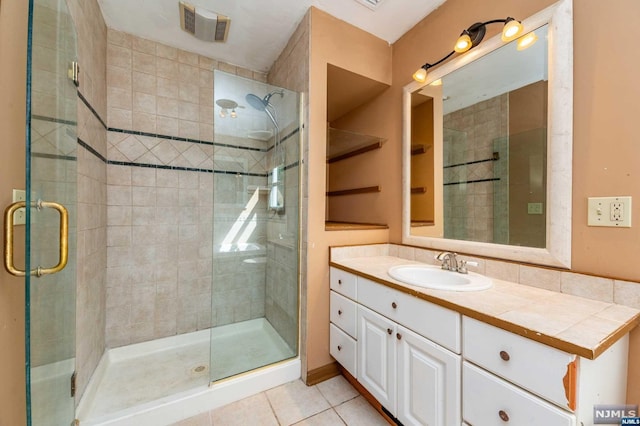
(51, 194)
(255, 296)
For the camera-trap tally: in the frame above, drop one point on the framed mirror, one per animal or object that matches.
(487, 148)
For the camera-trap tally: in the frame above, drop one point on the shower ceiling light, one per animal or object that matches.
(470, 38)
(226, 105)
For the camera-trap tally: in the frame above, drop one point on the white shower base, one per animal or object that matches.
(166, 380)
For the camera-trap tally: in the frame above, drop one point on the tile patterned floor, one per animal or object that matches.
(331, 403)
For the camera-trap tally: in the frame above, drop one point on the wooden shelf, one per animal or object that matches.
(419, 190)
(352, 226)
(419, 149)
(343, 144)
(358, 151)
(354, 191)
(419, 223)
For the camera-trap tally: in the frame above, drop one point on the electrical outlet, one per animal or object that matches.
(609, 211)
(20, 215)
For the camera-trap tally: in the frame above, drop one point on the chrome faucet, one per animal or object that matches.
(449, 261)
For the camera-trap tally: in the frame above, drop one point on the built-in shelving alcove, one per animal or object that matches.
(352, 180)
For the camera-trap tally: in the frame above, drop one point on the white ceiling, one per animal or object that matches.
(259, 28)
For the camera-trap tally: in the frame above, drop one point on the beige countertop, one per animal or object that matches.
(570, 323)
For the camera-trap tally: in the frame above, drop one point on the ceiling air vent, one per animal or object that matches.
(371, 4)
(203, 24)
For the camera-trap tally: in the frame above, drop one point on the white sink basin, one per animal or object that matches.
(434, 277)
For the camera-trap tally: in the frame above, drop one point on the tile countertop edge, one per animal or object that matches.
(555, 342)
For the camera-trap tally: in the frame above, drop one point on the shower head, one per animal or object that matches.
(262, 104)
(256, 102)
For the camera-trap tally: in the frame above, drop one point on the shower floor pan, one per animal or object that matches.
(163, 381)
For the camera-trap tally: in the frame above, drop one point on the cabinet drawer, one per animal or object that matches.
(343, 314)
(489, 400)
(343, 282)
(527, 363)
(343, 349)
(434, 322)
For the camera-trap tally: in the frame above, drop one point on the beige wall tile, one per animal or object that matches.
(207, 63)
(119, 56)
(143, 62)
(168, 107)
(145, 83)
(143, 45)
(118, 77)
(143, 102)
(627, 293)
(167, 68)
(223, 66)
(502, 270)
(119, 38)
(595, 288)
(206, 78)
(189, 92)
(168, 88)
(167, 52)
(188, 57)
(119, 98)
(243, 72)
(120, 118)
(167, 126)
(188, 129)
(188, 111)
(539, 277)
(144, 122)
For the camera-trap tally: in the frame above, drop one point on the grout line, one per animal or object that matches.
(273, 411)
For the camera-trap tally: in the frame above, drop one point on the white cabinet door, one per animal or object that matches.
(377, 356)
(428, 382)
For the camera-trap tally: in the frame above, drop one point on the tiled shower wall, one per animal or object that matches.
(160, 188)
(291, 71)
(92, 190)
(469, 188)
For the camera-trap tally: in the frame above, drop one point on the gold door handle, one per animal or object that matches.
(8, 238)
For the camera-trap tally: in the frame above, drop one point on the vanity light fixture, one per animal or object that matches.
(470, 38)
(527, 41)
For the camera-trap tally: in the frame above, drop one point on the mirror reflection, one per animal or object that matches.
(491, 118)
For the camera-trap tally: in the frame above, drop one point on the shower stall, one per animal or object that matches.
(225, 264)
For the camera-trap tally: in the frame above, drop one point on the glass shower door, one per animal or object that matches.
(51, 195)
(255, 289)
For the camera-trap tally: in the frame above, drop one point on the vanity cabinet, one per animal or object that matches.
(429, 365)
(414, 378)
(507, 376)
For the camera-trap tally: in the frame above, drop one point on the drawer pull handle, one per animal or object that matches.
(394, 305)
(339, 312)
(389, 331)
(339, 347)
(503, 415)
(398, 336)
(505, 355)
(339, 281)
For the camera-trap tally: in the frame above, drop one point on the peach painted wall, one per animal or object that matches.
(606, 150)
(13, 49)
(332, 41)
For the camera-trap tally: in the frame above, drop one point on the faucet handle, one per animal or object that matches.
(462, 265)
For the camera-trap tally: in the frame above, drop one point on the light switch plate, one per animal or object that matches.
(534, 208)
(609, 211)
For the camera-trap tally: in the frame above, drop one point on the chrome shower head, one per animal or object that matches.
(262, 104)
